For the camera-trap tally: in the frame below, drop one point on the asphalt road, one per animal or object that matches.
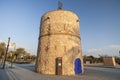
(26, 72)
(97, 73)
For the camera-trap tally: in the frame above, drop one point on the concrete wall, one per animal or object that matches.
(59, 37)
(109, 61)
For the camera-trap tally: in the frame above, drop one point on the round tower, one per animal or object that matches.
(59, 47)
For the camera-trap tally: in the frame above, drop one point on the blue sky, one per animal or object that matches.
(99, 23)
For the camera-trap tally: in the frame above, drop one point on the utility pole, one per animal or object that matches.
(6, 52)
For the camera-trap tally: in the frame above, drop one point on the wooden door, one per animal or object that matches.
(59, 66)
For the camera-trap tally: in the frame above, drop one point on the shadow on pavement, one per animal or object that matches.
(3, 74)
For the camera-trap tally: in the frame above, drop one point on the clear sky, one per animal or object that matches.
(99, 23)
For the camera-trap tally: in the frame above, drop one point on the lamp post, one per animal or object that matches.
(6, 52)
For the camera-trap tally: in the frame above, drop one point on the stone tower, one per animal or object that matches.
(59, 47)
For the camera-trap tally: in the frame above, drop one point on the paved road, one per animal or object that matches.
(97, 73)
(26, 72)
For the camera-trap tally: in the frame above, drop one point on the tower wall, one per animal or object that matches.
(59, 37)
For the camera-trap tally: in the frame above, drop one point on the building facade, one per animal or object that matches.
(59, 46)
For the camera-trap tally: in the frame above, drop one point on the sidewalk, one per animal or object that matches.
(18, 73)
(3, 74)
(23, 72)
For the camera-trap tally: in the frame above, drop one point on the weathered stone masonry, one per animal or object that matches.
(59, 37)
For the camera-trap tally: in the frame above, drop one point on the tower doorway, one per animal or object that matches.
(78, 67)
(59, 66)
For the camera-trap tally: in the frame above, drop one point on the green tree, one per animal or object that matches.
(19, 52)
(26, 56)
(2, 50)
(33, 57)
(92, 59)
